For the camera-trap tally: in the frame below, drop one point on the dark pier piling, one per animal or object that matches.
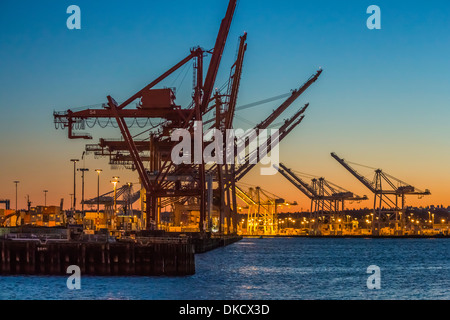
(46, 251)
(152, 258)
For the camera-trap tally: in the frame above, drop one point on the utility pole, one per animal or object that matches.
(74, 208)
(83, 170)
(16, 182)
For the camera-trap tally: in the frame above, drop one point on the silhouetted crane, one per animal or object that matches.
(327, 199)
(396, 190)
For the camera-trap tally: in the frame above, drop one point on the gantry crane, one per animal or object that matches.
(239, 173)
(262, 210)
(327, 199)
(125, 197)
(396, 190)
(288, 125)
(160, 103)
(163, 182)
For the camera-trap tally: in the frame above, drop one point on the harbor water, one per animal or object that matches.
(273, 269)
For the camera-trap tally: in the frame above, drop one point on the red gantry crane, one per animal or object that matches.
(163, 182)
(160, 103)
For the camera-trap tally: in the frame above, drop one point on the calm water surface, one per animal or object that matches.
(274, 269)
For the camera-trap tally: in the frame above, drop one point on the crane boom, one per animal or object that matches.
(295, 95)
(158, 80)
(358, 176)
(296, 184)
(236, 81)
(298, 180)
(289, 126)
(217, 54)
(284, 130)
(244, 196)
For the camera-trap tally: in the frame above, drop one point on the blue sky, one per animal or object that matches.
(383, 98)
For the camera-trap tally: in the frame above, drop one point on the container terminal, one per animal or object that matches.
(194, 206)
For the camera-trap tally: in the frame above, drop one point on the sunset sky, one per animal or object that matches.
(383, 99)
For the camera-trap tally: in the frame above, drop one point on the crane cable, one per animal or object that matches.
(255, 104)
(362, 165)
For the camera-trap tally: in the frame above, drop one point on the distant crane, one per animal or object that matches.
(396, 190)
(128, 197)
(160, 104)
(262, 214)
(327, 199)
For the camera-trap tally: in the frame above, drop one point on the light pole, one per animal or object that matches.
(82, 170)
(129, 205)
(115, 182)
(45, 198)
(98, 189)
(71, 199)
(16, 182)
(74, 184)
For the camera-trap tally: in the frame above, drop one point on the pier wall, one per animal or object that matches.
(209, 244)
(161, 258)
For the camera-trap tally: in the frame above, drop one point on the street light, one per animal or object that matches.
(16, 182)
(98, 189)
(115, 182)
(71, 198)
(82, 170)
(74, 184)
(45, 198)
